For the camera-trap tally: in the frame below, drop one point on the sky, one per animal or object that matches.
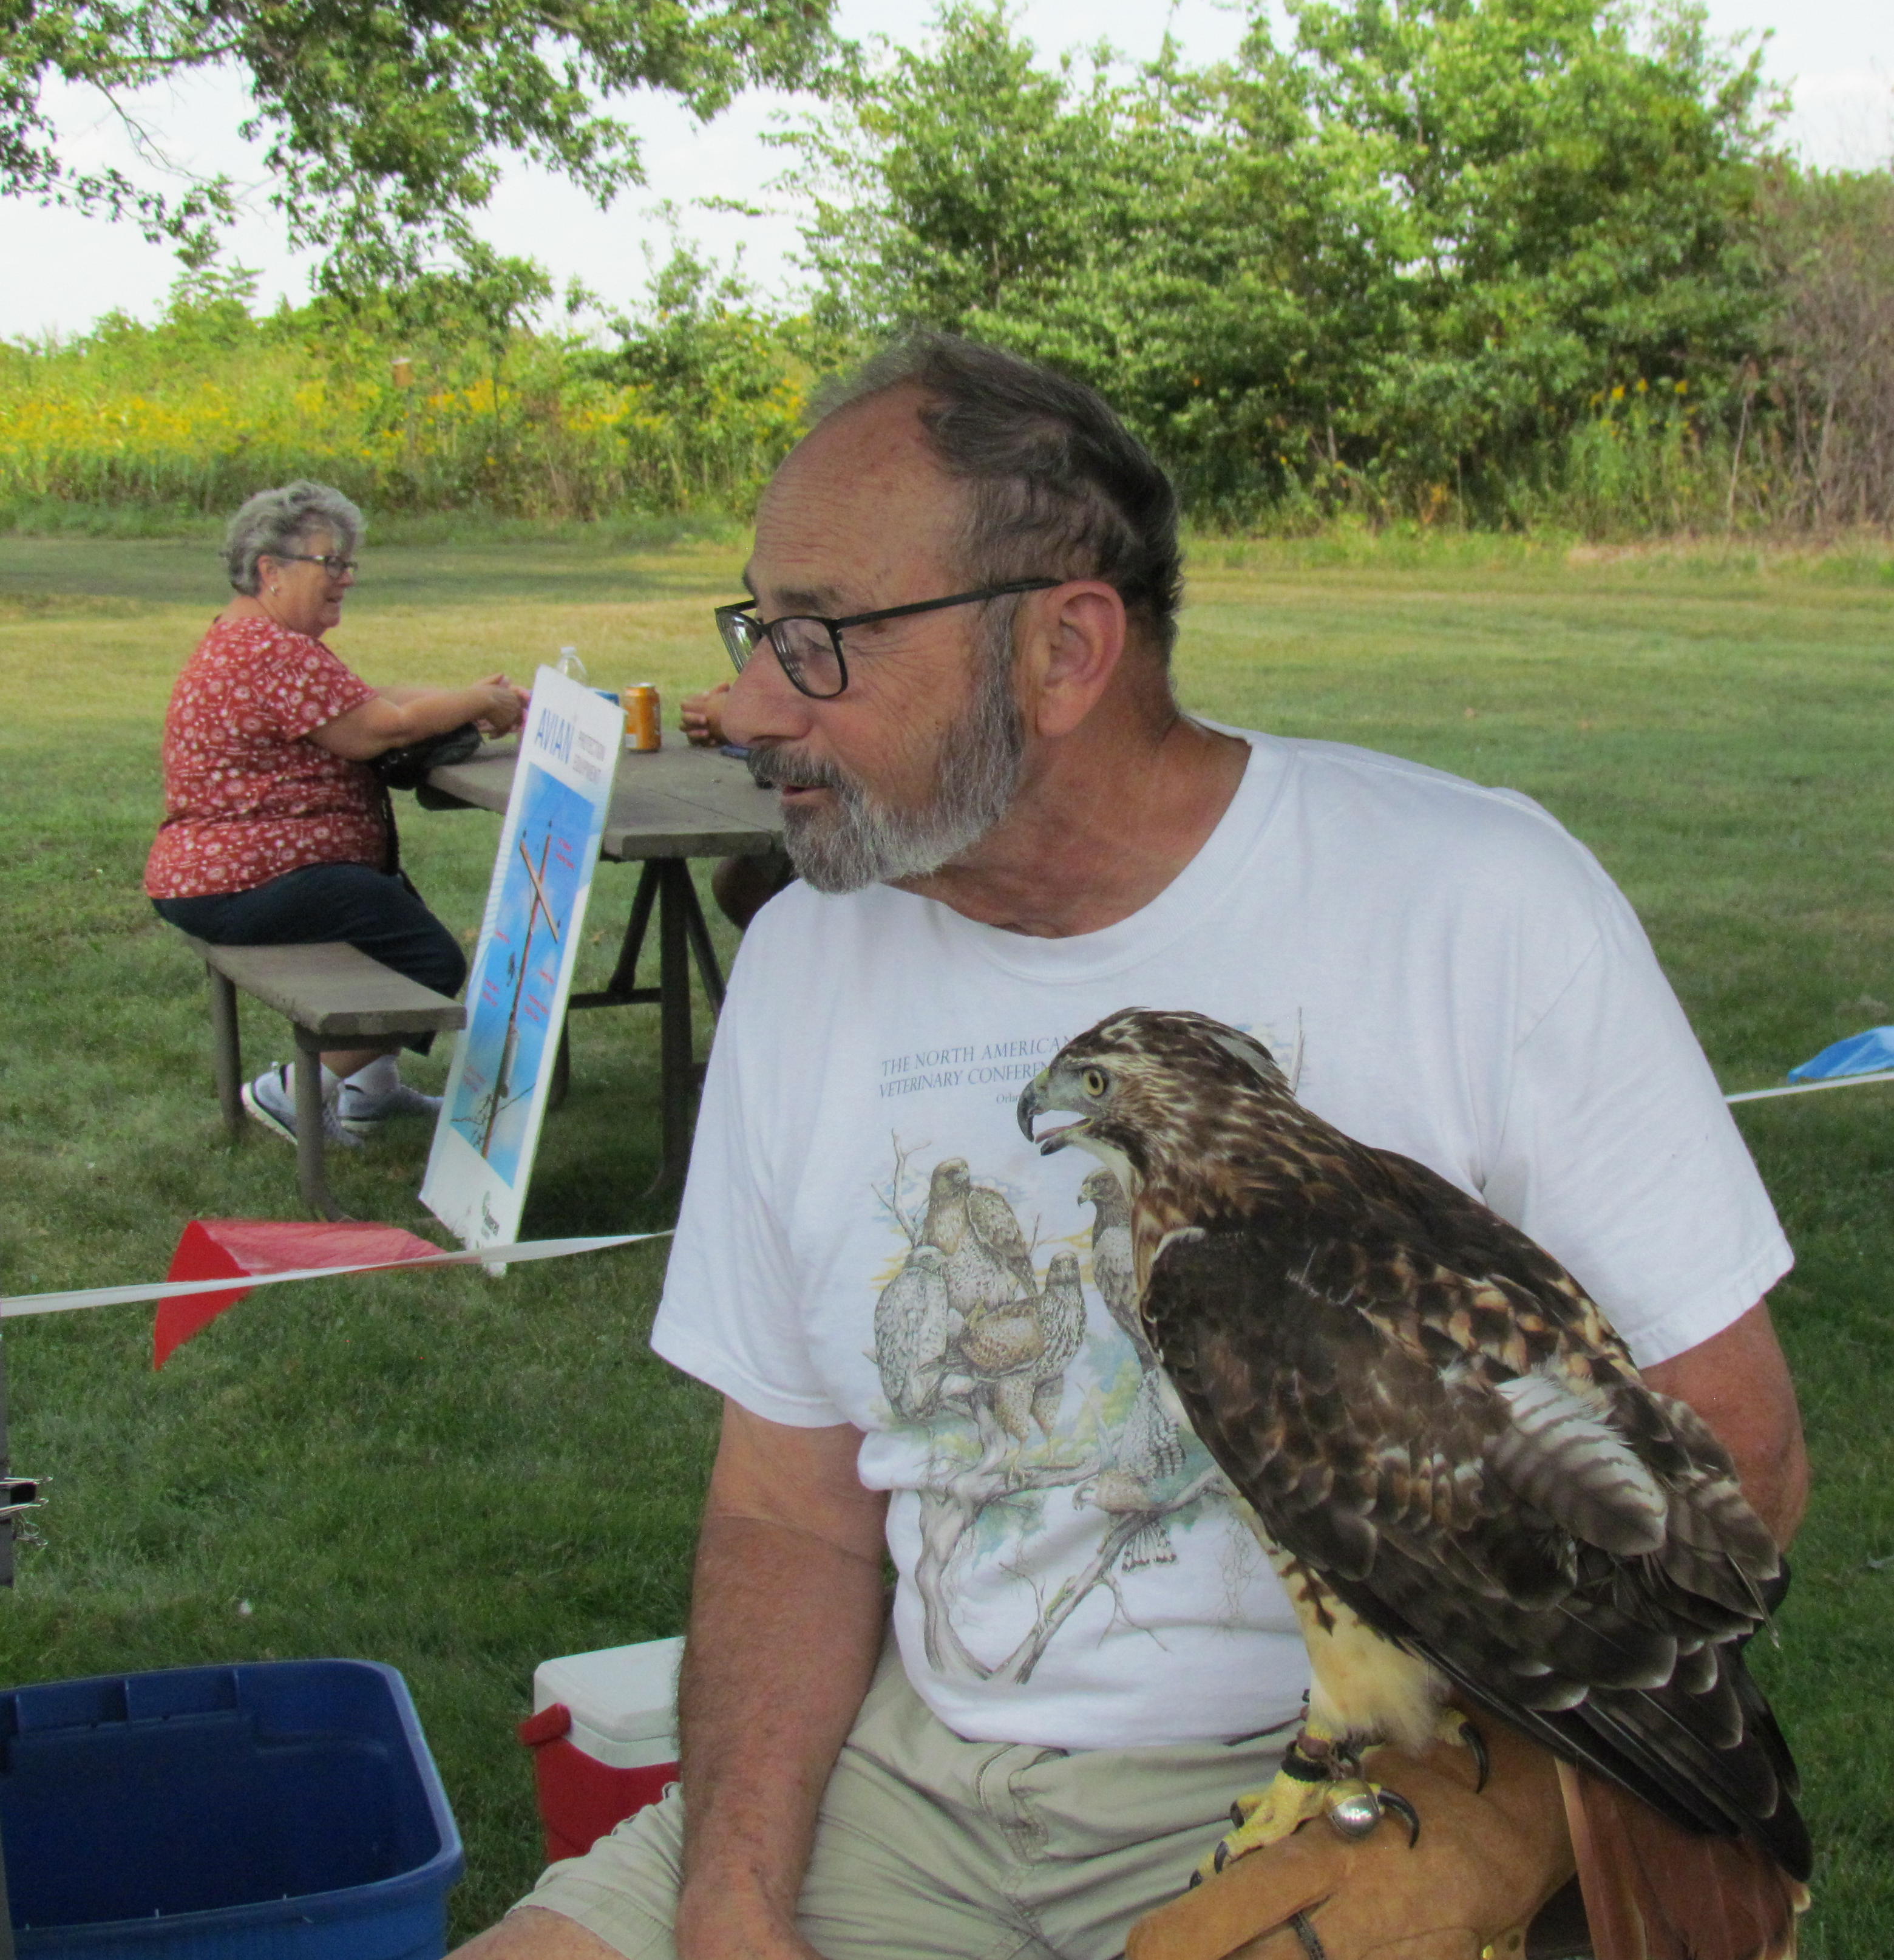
(65, 271)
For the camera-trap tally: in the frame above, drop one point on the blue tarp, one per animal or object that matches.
(1859, 1055)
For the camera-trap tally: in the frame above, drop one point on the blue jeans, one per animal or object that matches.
(378, 913)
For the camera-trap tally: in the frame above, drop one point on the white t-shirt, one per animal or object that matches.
(867, 1238)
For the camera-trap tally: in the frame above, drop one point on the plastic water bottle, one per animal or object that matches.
(571, 666)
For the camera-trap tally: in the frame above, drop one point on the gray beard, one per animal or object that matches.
(858, 841)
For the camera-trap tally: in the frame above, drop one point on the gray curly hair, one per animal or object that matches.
(278, 524)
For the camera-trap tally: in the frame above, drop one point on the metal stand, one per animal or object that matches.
(6, 1535)
(17, 1494)
(6, 1579)
(683, 935)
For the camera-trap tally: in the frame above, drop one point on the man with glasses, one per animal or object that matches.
(954, 666)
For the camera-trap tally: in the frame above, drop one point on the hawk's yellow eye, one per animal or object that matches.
(1094, 1081)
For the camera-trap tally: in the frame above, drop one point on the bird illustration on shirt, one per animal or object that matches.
(913, 1321)
(1114, 1272)
(1062, 1321)
(1001, 1348)
(1016, 1354)
(1146, 1451)
(988, 1262)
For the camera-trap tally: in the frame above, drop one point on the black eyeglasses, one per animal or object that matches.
(808, 648)
(335, 565)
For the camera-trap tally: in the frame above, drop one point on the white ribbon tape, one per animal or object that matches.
(1809, 1088)
(12, 1306)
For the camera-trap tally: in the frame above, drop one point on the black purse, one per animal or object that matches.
(406, 768)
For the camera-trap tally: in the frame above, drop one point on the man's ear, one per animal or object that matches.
(1072, 641)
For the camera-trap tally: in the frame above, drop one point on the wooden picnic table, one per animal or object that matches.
(668, 807)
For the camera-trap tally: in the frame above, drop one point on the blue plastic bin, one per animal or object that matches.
(278, 1810)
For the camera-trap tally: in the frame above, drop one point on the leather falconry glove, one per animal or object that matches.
(1466, 1888)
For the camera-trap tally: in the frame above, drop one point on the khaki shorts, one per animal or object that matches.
(932, 1848)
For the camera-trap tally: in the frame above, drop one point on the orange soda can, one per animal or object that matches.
(643, 729)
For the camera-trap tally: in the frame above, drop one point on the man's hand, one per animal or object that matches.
(700, 716)
(1482, 1865)
(787, 1614)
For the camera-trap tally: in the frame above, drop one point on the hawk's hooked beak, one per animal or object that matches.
(1037, 1098)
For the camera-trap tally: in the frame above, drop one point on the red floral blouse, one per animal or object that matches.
(246, 797)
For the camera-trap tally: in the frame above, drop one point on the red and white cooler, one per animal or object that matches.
(603, 1735)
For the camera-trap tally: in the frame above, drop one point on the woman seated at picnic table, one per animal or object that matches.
(276, 831)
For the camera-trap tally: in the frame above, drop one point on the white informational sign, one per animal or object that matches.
(488, 1129)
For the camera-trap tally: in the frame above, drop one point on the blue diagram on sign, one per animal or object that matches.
(511, 1003)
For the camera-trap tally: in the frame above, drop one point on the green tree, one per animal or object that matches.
(1072, 214)
(1563, 194)
(958, 180)
(383, 122)
(1402, 251)
(719, 384)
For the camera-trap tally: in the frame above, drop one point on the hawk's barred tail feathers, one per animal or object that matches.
(1151, 1546)
(1655, 1892)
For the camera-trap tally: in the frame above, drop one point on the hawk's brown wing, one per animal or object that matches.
(1579, 1561)
(1470, 1286)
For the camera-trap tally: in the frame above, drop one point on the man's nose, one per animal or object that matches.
(762, 705)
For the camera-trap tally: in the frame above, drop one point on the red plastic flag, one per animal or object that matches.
(227, 1248)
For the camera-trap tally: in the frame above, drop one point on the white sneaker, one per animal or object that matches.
(362, 1115)
(270, 1098)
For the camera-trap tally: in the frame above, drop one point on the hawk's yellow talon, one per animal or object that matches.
(1265, 1817)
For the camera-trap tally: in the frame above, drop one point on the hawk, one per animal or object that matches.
(988, 1262)
(1457, 1469)
(1148, 1449)
(1000, 1350)
(1062, 1315)
(1016, 1354)
(1112, 1268)
(912, 1323)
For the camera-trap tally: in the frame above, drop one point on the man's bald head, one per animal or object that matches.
(866, 474)
(1053, 484)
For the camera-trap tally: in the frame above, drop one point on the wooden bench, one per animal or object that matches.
(334, 996)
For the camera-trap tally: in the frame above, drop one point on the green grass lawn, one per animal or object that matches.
(461, 1476)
